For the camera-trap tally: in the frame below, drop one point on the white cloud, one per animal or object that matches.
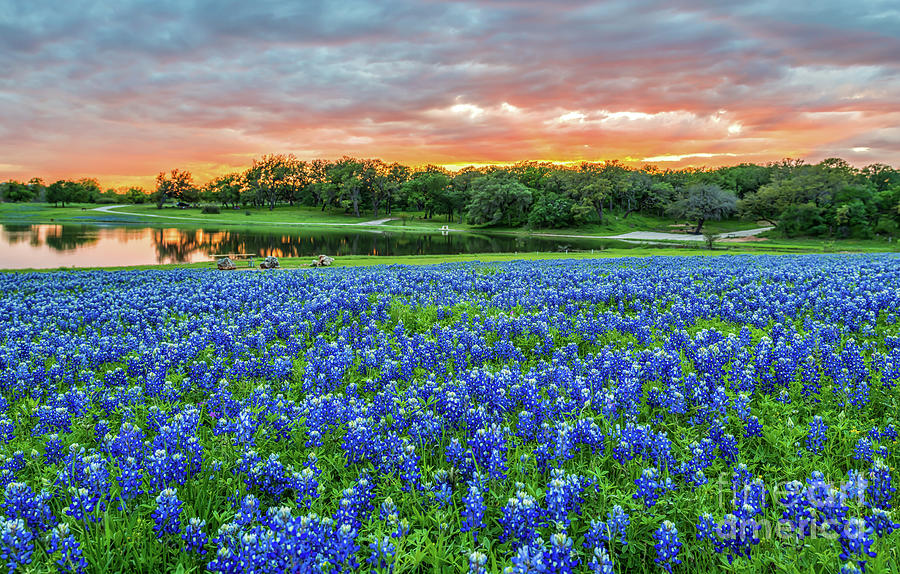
(571, 117)
(686, 156)
(470, 110)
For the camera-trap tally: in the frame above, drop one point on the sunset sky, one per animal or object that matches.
(120, 90)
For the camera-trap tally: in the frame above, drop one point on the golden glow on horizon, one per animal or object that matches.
(672, 161)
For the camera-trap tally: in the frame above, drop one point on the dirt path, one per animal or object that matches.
(657, 236)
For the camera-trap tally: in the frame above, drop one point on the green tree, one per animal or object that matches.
(768, 203)
(805, 219)
(88, 190)
(226, 189)
(882, 176)
(385, 180)
(744, 179)
(702, 202)
(135, 195)
(16, 191)
(349, 179)
(110, 196)
(177, 185)
(497, 199)
(38, 188)
(277, 177)
(394, 178)
(590, 196)
(430, 190)
(60, 192)
(551, 210)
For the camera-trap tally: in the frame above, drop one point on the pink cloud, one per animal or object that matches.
(206, 87)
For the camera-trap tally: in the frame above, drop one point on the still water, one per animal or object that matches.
(50, 246)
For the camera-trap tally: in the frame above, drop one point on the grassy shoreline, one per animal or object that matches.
(312, 220)
(293, 263)
(303, 217)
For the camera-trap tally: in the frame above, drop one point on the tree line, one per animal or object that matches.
(829, 198)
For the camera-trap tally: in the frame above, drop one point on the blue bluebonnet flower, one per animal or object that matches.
(827, 504)
(66, 551)
(388, 509)
(809, 372)
(273, 478)
(564, 496)
(856, 542)
(7, 430)
(738, 533)
(409, 467)
(667, 546)
(741, 406)
(167, 515)
(53, 450)
(603, 533)
(401, 528)
(601, 563)
(520, 516)
(21, 502)
(195, 539)
(708, 529)
(83, 505)
(750, 500)
(796, 512)
(16, 544)
(561, 557)
(753, 428)
(248, 511)
(382, 555)
(863, 450)
(131, 480)
(307, 486)
(164, 469)
(477, 560)
(348, 510)
(728, 448)
(879, 491)
(473, 511)
(489, 450)
(101, 429)
(881, 523)
(528, 559)
(815, 440)
(650, 488)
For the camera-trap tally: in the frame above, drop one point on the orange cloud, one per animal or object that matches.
(207, 88)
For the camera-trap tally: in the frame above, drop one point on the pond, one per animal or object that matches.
(48, 246)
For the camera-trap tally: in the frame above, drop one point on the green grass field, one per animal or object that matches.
(371, 260)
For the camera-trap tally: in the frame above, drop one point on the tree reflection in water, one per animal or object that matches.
(124, 245)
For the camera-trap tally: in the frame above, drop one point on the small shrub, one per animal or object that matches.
(210, 209)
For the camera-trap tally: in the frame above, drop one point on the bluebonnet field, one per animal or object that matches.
(666, 414)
